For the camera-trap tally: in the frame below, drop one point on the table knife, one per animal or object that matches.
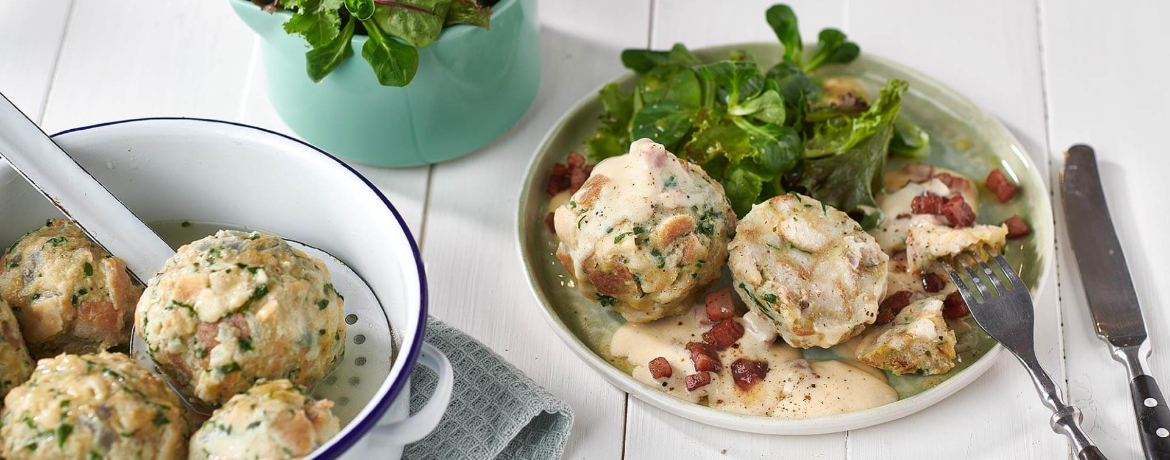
(1109, 289)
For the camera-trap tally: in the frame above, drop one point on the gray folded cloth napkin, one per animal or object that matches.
(496, 411)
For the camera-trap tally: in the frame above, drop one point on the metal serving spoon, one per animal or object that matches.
(108, 222)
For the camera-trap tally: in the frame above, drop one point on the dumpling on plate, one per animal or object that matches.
(646, 233)
(68, 293)
(808, 268)
(15, 363)
(236, 307)
(273, 420)
(918, 340)
(99, 406)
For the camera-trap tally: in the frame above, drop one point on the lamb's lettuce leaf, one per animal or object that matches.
(394, 62)
(665, 101)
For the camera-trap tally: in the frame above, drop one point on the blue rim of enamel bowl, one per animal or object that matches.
(363, 425)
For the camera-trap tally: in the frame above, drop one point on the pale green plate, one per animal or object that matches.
(963, 138)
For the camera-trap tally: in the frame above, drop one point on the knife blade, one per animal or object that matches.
(1113, 301)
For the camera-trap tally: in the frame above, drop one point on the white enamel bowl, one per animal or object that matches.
(213, 171)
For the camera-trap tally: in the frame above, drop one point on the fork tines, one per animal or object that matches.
(1012, 282)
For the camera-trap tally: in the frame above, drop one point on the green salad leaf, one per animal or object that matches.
(832, 48)
(317, 21)
(841, 132)
(468, 12)
(760, 133)
(665, 101)
(643, 61)
(613, 134)
(322, 60)
(416, 22)
(394, 62)
(783, 22)
(910, 140)
(395, 29)
(849, 179)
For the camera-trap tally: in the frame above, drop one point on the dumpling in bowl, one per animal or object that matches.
(809, 269)
(68, 293)
(273, 420)
(15, 363)
(236, 307)
(100, 406)
(646, 233)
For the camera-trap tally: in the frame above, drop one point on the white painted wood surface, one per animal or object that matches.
(1055, 72)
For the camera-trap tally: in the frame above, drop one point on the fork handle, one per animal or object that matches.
(1066, 419)
(1090, 453)
(1148, 403)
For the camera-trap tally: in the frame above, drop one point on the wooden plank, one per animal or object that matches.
(651, 432)
(1001, 72)
(30, 40)
(1107, 93)
(477, 280)
(137, 58)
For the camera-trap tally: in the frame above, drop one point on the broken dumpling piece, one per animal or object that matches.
(809, 269)
(925, 244)
(918, 340)
(646, 233)
(68, 293)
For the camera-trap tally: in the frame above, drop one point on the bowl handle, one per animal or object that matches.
(423, 422)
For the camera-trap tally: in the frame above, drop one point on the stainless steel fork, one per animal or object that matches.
(1005, 312)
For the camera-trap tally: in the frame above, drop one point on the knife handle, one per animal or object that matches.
(1091, 453)
(1153, 416)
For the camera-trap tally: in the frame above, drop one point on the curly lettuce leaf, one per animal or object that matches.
(840, 133)
(849, 180)
(317, 21)
(613, 134)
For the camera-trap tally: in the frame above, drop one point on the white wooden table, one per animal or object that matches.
(1056, 72)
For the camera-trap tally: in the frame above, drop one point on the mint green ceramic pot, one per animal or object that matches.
(472, 85)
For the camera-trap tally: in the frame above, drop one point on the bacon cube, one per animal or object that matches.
(1000, 185)
(1016, 227)
(958, 212)
(660, 368)
(747, 373)
(932, 283)
(704, 357)
(724, 334)
(720, 304)
(892, 306)
(954, 307)
(929, 203)
(696, 381)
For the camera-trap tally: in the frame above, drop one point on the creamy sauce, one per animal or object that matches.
(793, 387)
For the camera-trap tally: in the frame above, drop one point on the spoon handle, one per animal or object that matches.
(77, 194)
